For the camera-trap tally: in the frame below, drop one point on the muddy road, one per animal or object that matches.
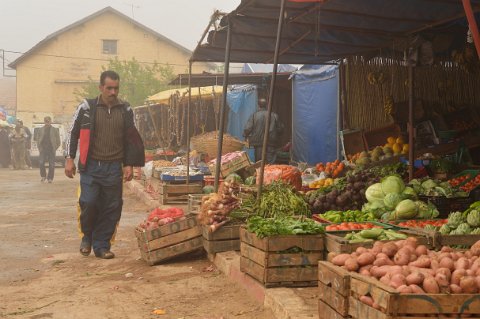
(42, 274)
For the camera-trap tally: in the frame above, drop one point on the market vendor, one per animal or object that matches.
(255, 130)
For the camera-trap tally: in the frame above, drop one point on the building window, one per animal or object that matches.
(109, 47)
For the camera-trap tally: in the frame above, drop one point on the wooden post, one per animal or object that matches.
(188, 118)
(472, 23)
(411, 124)
(270, 99)
(224, 106)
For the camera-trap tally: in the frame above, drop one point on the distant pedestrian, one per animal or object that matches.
(110, 146)
(28, 143)
(48, 140)
(17, 142)
(5, 154)
(255, 130)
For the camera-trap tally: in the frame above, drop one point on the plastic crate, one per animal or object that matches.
(172, 178)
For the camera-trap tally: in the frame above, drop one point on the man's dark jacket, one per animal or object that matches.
(83, 128)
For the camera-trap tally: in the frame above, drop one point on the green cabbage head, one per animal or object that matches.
(374, 193)
(391, 200)
(392, 184)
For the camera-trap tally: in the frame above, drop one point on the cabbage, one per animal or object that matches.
(392, 184)
(391, 200)
(374, 193)
(377, 208)
(429, 184)
(406, 209)
(409, 193)
(425, 210)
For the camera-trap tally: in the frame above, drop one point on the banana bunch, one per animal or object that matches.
(375, 77)
(388, 105)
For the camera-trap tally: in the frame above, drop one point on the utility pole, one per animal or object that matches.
(2, 56)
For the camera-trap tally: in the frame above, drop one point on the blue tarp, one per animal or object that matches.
(242, 100)
(315, 110)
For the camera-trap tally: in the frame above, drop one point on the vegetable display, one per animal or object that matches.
(281, 200)
(286, 173)
(333, 169)
(411, 268)
(159, 217)
(392, 200)
(463, 223)
(266, 227)
(431, 187)
(372, 234)
(420, 223)
(471, 185)
(216, 207)
(351, 226)
(336, 216)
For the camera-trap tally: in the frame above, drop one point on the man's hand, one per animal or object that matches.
(127, 173)
(70, 168)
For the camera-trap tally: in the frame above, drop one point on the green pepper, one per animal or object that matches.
(393, 235)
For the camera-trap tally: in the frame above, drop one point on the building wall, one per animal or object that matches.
(47, 79)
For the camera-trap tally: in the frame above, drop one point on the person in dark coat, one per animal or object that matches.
(28, 143)
(255, 131)
(48, 141)
(5, 155)
(110, 146)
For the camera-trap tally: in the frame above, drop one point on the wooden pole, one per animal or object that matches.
(472, 23)
(224, 106)
(411, 141)
(188, 118)
(270, 99)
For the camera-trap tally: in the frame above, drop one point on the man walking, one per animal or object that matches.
(255, 130)
(48, 140)
(110, 146)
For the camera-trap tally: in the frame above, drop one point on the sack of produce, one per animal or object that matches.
(289, 174)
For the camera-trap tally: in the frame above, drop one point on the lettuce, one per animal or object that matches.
(392, 184)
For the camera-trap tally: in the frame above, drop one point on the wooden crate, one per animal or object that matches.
(402, 306)
(334, 287)
(226, 238)
(378, 136)
(327, 312)
(338, 244)
(194, 203)
(168, 241)
(173, 193)
(457, 240)
(232, 166)
(269, 261)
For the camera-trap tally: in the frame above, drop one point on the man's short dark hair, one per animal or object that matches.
(109, 74)
(262, 102)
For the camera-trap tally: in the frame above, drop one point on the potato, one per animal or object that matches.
(430, 285)
(470, 272)
(331, 255)
(397, 280)
(415, 278)
(361, 250)
(389, 249)
(339, 260)
(351, 264)
(446, 249)
(401, 258)
(382, 262)
(413, 257)
(416, 289)
(457, 275)
(400, 243)
(381, 255)
(380, 271)
(386, 279)
(447, 262)
(442, 280)
(455, 289)
(469, 285)
(422, 262)
(365, 272)
(395, 270)
(434, 264)
(421, 250)
(378, 244)
(462, 263)
(477, 281)
(404, 289)
(366, 258)
(447, 272)
(468, 254)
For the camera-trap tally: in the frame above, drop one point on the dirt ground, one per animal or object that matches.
(42, 274)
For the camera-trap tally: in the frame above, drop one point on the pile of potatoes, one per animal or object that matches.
(412, 268)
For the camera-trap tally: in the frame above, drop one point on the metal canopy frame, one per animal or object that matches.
(305, 32)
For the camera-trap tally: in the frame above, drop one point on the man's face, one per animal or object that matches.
(47, 122)
(110, 90)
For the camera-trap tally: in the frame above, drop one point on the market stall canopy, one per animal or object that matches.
(164, 96)
(233, 78)
(319, 32)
